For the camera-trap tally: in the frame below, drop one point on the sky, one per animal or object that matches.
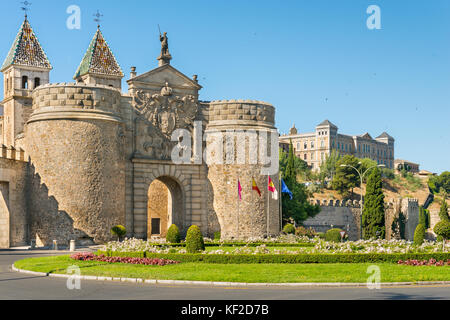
(313, 60)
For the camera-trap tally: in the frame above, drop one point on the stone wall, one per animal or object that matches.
(346, 215)
(254, 215)
(75, 139)
(337, 214)
(13, 208)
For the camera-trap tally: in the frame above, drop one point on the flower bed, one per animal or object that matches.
(286, 258)
(88, 256)
(430, 262)
(315, 246)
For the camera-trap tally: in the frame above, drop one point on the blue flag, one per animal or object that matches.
(285, 189)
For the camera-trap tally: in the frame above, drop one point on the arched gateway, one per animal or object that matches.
(100, 157)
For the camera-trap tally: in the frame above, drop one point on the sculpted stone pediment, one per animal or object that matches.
(154, 79)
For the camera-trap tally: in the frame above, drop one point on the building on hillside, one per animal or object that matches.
(314, 147)
(409, 166)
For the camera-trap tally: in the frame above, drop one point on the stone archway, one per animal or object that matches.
(165, 206)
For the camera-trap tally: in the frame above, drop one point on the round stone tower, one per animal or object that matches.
(242, 148)
(75, 140)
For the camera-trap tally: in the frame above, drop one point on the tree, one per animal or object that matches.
(443, 212)
(119, 231)
(442, 228)
(291, 171)
(423, 217)
(373, 218)
(299, 207)
(419, 234)
(328, 167)
(346, 178)
(440, 183)
(300, 166)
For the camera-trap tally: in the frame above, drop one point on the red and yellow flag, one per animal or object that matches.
(273, 189)
(255, 187)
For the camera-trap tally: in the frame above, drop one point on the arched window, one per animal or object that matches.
(37, 82)
(24, 82)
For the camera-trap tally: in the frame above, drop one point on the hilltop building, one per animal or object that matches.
(314, 147)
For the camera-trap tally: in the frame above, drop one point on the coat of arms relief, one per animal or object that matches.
(160, 115)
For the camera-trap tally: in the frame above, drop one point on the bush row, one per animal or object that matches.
(286, 258)
(239, 244)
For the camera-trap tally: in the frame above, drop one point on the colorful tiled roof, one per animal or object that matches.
(26, 50)
(99, 59)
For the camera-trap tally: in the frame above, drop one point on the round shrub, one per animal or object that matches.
(119, 231)
(321, 235)
(442, 229)
(194, 240)
(289, 229)
(173, 234)
(333, 235)
(419, 234)
(217, 235)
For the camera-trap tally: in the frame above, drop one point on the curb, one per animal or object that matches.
(233, 284)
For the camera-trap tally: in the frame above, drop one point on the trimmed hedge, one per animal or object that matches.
(333, 235)
(294, 259)
(173, 234)
(194, 240)
(238, 244)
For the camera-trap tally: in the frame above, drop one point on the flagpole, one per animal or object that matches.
(268, 206)
(280, 204)
(239, 200)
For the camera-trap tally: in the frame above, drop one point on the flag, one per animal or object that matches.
(255, 187)
(273, 189)
(239, 190)
(285, 189)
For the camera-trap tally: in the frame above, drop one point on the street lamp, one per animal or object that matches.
(361, 175)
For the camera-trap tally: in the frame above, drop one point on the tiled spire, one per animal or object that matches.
(99, 59)
(26, 50)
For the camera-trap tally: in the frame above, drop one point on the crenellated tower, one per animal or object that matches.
(25, 68)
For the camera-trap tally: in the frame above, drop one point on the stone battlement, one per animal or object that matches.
(335, 203)
(74, 100)
(12, 153)
(248, 111)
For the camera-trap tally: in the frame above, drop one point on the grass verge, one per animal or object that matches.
(250, 273)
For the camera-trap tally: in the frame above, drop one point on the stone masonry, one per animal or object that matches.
(84, 156)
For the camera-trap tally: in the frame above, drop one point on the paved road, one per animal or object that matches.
(19, 286)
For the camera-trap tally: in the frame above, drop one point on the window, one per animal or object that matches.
(298, 145)
(305, 157)
(37, 82)
(312, 144)
(24, 82)
(322, 143)
(305, 145)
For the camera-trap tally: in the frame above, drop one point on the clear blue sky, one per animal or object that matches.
(313, 60)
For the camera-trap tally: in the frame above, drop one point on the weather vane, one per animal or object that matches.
(25, 8)
(97, 16)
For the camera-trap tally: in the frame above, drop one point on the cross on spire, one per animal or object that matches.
(97, 19)
(25, 7)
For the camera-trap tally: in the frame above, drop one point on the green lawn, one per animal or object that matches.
(252, 273)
